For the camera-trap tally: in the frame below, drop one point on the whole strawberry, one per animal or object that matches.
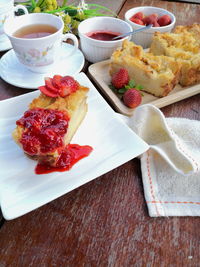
(132, 98)
(120, 78)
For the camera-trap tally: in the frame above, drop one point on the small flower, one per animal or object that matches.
(44, 53)
(67, 28)
(34, 52)
(60, 14)
(82, 6)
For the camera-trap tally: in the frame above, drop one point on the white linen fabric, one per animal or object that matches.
(171, 166)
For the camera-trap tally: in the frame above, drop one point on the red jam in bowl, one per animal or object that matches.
(103, 35)
(44, 130)
(67, 158)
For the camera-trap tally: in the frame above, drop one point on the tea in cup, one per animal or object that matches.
(37, 40)
(7, 10)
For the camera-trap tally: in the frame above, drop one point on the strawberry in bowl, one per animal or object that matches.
(161, 19)
(154, 19)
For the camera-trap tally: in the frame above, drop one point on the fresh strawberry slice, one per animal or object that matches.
(50, 86)
(138, 15)
(68, 86)
(164, 20)
(47, 92)
(57, 81)
(137, 21)
(150, 19)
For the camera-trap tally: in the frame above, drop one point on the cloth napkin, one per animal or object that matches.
(171, 166)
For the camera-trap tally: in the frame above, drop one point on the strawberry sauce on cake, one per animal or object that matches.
(46, 129)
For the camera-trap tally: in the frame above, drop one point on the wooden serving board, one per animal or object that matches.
(99, 72)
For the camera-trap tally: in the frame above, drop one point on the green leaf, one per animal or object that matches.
(39, 3)
(139, 87)
(33, 3)
(122, 90)
(113, 88)
(131, 84)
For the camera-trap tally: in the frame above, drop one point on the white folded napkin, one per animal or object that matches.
(171, 167)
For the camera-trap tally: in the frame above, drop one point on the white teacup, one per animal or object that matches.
(98, 50)
(7, 10)
(39, 54)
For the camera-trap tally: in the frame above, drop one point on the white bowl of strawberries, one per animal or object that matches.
(138, 17)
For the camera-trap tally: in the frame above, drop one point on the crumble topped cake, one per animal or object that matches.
(193, 29)
(157, 74)
(184, 46)
(47, 127)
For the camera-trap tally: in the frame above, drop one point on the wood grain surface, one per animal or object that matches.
(105, 222)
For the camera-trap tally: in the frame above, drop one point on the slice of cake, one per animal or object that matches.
(157, 74)
(193, 29)
(184, 46)
(52, 119)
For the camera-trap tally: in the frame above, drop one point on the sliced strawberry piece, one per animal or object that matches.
(68, 86)
(156, 24)
(47, 92)
(50, 86)
(164, 20)
(138, 15)
(57, 81)
(137, 21)
(150, 19)
(64, 91)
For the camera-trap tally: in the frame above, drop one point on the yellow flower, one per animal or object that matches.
(44, 53)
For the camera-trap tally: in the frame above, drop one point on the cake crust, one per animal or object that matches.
(184, 46)
(157, 74)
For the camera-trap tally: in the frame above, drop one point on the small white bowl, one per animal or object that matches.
(144, 38)
(98, 50)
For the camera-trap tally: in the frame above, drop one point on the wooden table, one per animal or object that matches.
(105, 222)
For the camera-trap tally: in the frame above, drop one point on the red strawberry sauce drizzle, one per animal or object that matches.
(45, 129)
(68, 157)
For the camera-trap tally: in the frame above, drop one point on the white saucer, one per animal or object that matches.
(13, 72)
(5, 45)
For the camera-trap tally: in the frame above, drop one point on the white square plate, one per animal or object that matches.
(22, 191)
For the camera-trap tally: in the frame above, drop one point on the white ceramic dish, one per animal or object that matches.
(144, 38)
(39, 54)
(22, 191)
(98, 50)
(5, 44)
(13, 72)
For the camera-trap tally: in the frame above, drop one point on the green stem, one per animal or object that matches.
(102, 7)
(27, 3)
(97, 15)
(39, 3)
(33, 3)
(64, 3)
(61, 9)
